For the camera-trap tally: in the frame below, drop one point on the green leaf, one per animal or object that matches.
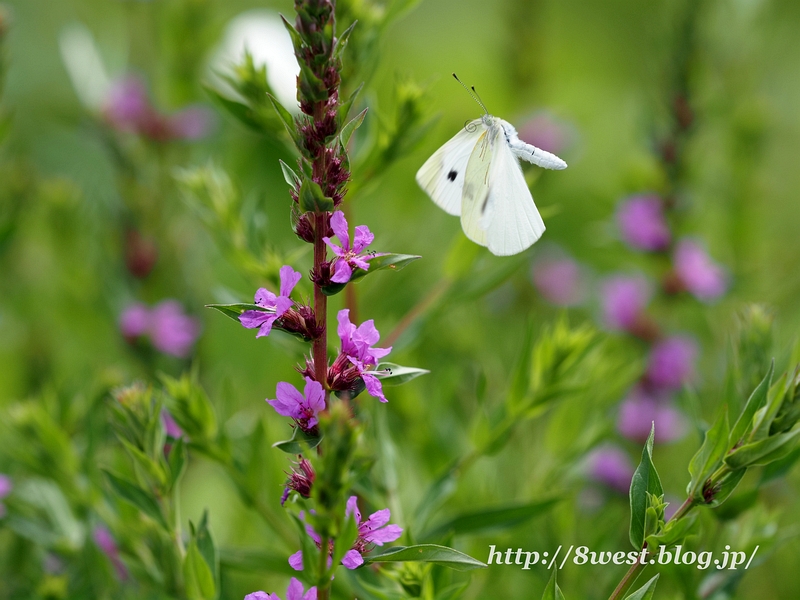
(344, 108)
(391, 374)
(762, 452)
(297, 40)
(233, 311)
(341, 43)
(726, 487)
(153, 469)
(345, 540)
(177, 461)
(551, 590)
(646, 591)
(429, 553)
(197, 575)
(503, 517)
(311, 87)
(241, 112)
(780, 467)
(141, 499)
(674, 532)
(289, 175)
(312, 199)
(205, 544)
(349, 129)
(298, 443)
(190, 406)
(286, 119)
(395, 262)
(710, 454)
(645, 480)
(757, 399)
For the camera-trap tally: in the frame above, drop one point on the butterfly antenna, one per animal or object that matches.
(472, 93)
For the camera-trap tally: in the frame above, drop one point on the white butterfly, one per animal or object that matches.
(477, 175)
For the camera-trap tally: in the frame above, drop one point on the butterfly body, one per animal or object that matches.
(477, 176)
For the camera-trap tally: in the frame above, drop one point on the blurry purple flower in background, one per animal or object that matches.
(545, 132)
(641, 408)
(172, 429)
(192, 123)
(671, 362)
(6, 485)
(303, 408)
(642, 224)
(127, 105)
(559, 279)
(295, 592)
(105, 541)
(348, 257)
(701, 276)
(611, 466)
(623, 299)
(170, 330)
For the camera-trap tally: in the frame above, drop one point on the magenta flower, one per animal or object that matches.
(357, 348)
(623, 301)
(303, 408)
(642, 408)
(301, 481)
(348, 258)
(172, 429)
(671, 362)
(545, 132)
(704, 278)
(295, 592)
(559, 280)
(127, 106)
(642, 224)
(170, 330)
(192, 123)
(279, 304)
(6, 485)
(372, 532)
(105, 541)
(611, 466)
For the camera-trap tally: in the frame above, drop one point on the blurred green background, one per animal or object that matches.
(71, 188)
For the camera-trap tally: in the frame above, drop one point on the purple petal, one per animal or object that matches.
(282, 305)
(352, 559)
(296, 560)
(134, 321)
(388, 534)
(289, 402)
(376, 520)
(265, 298)
(254, 318)
(311, 594)
(379, 353)
(339, 226)
(336, 249)
(265, 329)
(260, 596)
(362, 238)
(352, 509)
(374, 387)
(367, 333)
(289, 279)
(360, 262)
(315, 395)
(346, 330)
(295, 590)
(342, 272)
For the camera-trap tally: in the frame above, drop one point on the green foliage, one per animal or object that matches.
(429, 553)
(646, 495)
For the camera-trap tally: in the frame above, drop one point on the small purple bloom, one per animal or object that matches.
(357, 346)
(280, 304)
(671, 362)
(105, 541)
(372, 532)
(641, 408)
(127, 105)
(192, 123)
(301, 481)
(544, 132)
(172, 331)
(704, 278)
(559, 280)
(172, 429)
(642, 224)
(623, 300)
(6, 485)
(610, 465)
(348, 258)
(295, 592)
(134, 321)
(303, 408)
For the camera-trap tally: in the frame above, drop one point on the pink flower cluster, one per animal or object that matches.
(168, 328)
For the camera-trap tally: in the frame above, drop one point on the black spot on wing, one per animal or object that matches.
(452, 175)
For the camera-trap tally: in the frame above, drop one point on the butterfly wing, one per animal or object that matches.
(512, 221)
(442, 175)
(475, 197)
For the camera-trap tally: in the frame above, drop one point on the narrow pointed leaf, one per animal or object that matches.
(349, 129)
(289, 175)
(298, 443)
(757, 399)
(392, 374)
(710, 454)
(429, 553)
(645, 480)
(552, 591)
(312, 198)
(377, 263)
(141, 499)
(646, 591)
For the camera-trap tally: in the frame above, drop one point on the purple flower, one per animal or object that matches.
(172, 429)
(348, 258)
(172, 331)
(301, 481)
(192, 123)
(704, 278)
(641, 408)
(559, 280)
(671, 362)
(303, 408)
(623, 300)
(642, 224)
(295, 592)
(544, 132)
(372, 532)
(279, 304)
(6, 485)
(611, 466)
(105, 541)
(357, 348)
(127, 105)
(169, 329)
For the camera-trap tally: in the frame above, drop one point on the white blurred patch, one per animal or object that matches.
(84, 65)
(262, 33)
